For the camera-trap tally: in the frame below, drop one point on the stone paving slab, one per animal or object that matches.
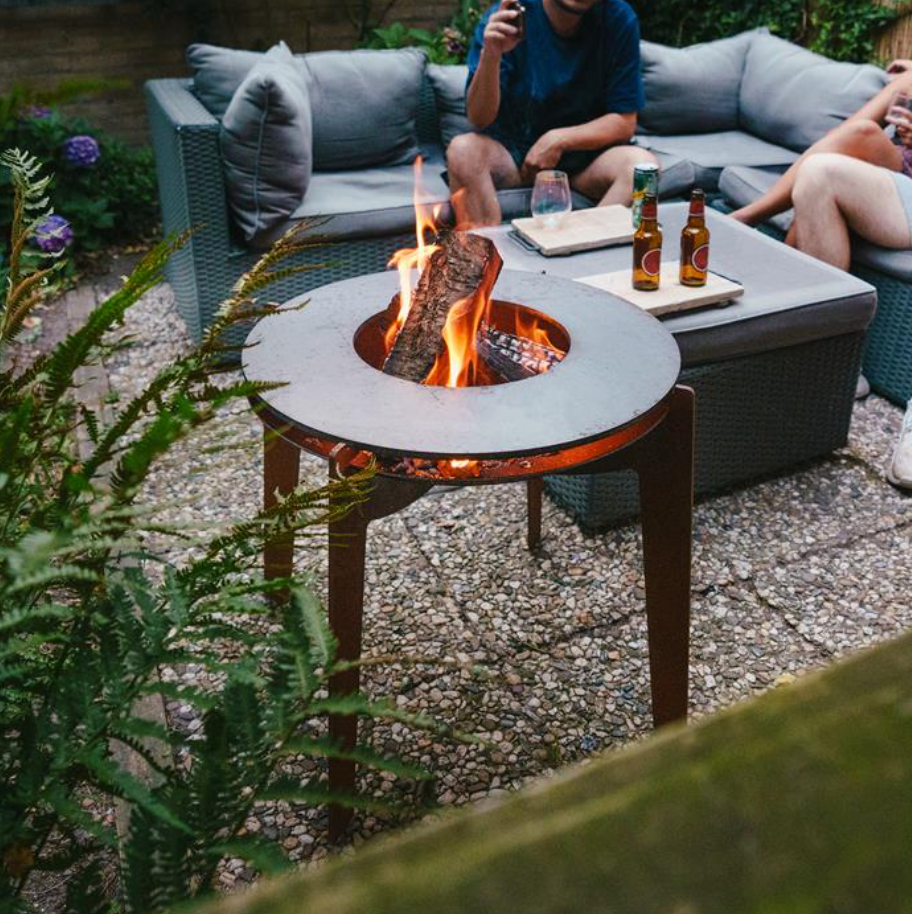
(849, 598)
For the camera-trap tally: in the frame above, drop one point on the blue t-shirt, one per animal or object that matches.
(548, 81)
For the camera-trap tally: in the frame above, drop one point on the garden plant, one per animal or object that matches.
(841, 29)
(103, 188)
(90, 612)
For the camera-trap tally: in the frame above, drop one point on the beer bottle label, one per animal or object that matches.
(700, 258)
(652, 262)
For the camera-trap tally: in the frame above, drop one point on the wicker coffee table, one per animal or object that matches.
(774, 373)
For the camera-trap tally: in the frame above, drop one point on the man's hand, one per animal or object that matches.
(546, 153)
(501, 35)
(902, 120)
(898, 67)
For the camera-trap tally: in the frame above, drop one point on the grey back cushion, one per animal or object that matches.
(266, 145)
(217, 73)
(693, 90)
(449, 85)
(792, 97)
(365, 106)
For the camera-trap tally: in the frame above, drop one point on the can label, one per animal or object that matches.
(645, 181)
(652, 262)
(700, 258)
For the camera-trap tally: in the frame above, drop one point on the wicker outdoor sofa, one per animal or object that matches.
(764, 403)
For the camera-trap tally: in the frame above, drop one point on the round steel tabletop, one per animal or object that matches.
(621, 364)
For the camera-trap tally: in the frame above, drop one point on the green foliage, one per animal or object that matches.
(841, 29)
(23, 96)
(112, 202)
(449, 45)
(90, 612)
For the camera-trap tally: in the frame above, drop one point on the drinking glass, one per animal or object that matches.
(903, 101)
(551, 198)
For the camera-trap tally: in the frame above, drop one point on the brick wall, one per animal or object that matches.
(133, 40)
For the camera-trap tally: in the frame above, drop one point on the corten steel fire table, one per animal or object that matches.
(612, 403)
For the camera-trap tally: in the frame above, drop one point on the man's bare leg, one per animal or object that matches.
(835, 195)
(609, 178)
(478, 166)
(858, 137)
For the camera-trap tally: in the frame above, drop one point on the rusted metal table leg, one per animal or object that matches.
(347, 549)
(347, 545)
(534, 490)
(665, 469)
(281, 468)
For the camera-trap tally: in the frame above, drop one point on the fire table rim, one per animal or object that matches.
(621, 365)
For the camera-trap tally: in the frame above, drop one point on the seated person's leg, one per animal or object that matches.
(837, 194)
(478, 166)
(609, 178)
(859, 137)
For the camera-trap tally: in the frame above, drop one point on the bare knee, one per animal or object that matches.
(860, 130)
(466, 156)
(817, 178)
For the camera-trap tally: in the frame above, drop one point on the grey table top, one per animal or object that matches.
(621, 363)
(775, 277)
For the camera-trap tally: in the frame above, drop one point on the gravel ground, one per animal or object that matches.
(788, 574)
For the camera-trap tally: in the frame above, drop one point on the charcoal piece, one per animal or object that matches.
(514, 358)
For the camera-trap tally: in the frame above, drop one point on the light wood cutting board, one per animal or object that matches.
(671, 297)
(581, 230)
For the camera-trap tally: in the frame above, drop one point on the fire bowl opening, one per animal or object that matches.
(514, 343)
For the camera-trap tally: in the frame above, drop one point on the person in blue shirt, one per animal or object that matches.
(566, 94)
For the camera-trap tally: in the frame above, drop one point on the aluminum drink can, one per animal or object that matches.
(645, 181)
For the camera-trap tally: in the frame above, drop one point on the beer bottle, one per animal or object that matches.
(647, 248)
(695, 243)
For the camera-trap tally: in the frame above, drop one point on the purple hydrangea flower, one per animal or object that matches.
(53, 235)
(81, 151)
(37, 112)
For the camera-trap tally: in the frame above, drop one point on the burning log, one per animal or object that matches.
(514, 358)
(463, 267)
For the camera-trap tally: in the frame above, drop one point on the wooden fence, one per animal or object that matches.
(896, 41)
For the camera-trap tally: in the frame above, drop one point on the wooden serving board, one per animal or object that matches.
(671, 297)
(581, 230)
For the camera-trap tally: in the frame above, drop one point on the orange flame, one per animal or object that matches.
(408, 259)
(527, 326)
(459, 363)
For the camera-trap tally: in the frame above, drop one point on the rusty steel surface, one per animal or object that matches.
(620, 366)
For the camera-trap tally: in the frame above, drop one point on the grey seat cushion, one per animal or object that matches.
(265, 139)
(793, 97)
(365, 106)
(677, 176)
(897, 264)
(449, 85)
(364, 103)
(217, 73)
(373, 202)
(741, 186)
(695, 89)
(709, 153)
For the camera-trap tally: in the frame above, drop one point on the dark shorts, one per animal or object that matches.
(907, 161)
(571, 162)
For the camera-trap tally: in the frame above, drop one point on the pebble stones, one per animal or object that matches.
(787, 573)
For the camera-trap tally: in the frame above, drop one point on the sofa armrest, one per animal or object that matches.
(191, 187)
(185, 138)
